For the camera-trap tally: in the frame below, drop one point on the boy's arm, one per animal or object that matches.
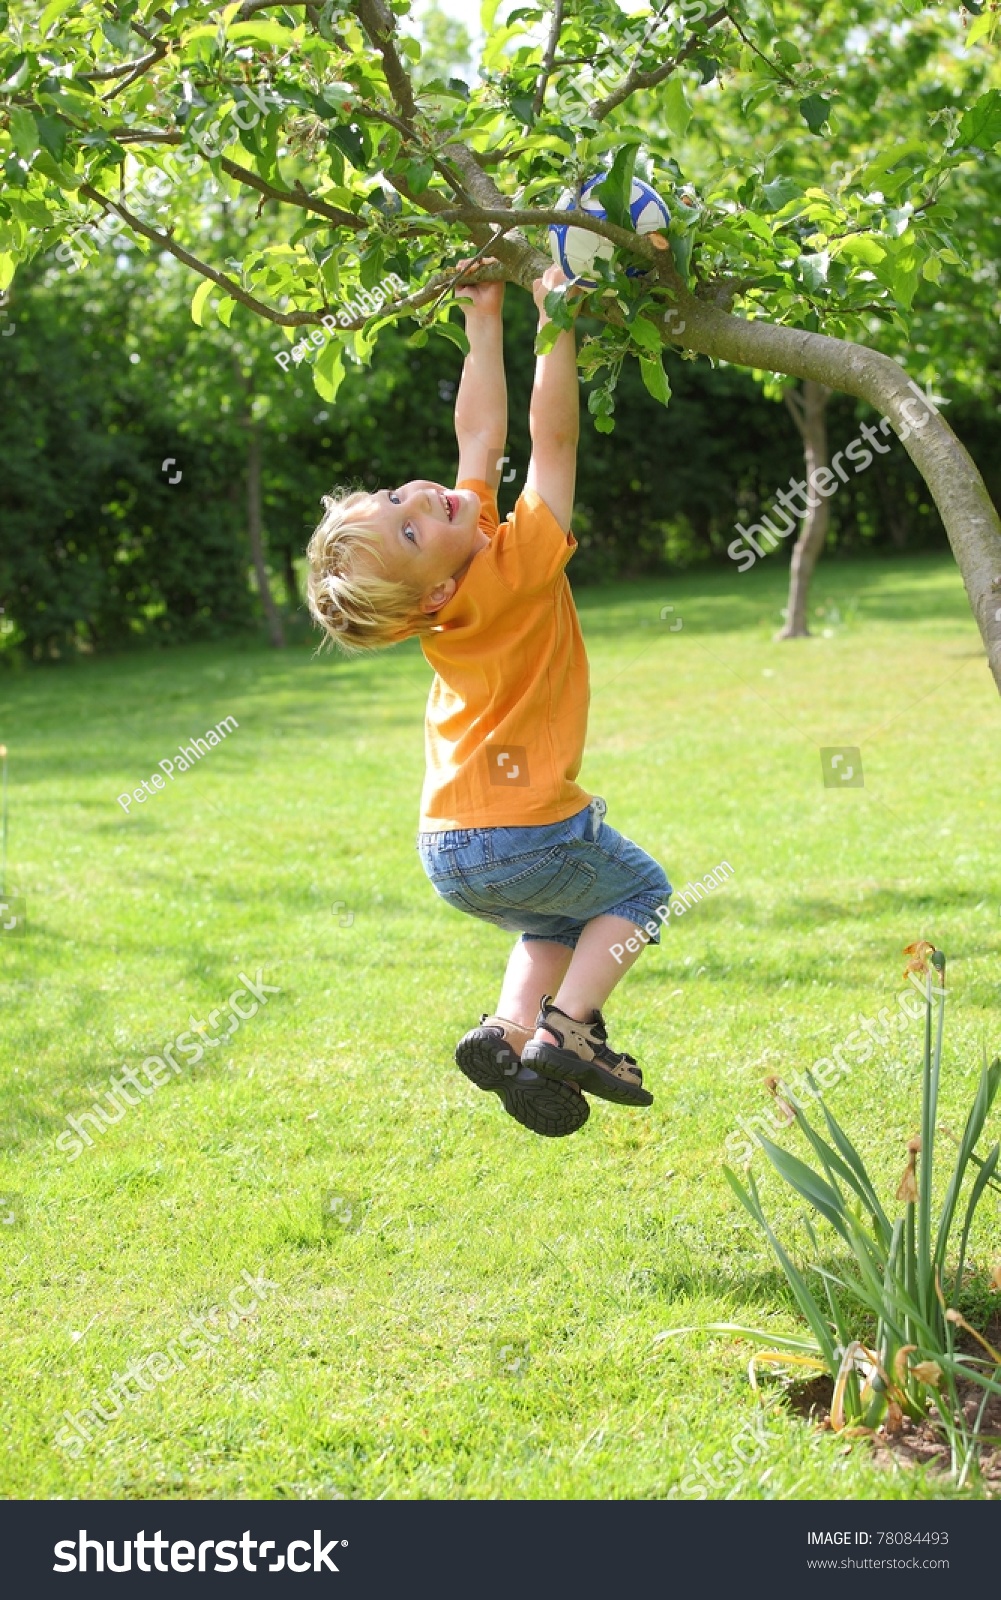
(554, 414)
(481, 403)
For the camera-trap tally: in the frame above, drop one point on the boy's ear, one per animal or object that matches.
(439, 596)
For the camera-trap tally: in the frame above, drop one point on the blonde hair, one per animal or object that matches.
(357, 609)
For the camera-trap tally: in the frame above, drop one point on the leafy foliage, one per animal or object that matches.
(907, 1274)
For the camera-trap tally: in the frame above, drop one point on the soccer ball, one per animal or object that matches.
(575, 250)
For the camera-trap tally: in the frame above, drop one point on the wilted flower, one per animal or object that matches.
(928, 1372)
(907, 1189)
(773, 1085)
(921, 952)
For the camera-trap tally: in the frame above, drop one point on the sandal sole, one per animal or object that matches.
(544, 1107)
(562, 1065)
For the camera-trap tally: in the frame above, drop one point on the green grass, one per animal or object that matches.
(375, 1368)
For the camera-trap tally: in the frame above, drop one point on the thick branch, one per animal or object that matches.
(380, 25)
(626, 240)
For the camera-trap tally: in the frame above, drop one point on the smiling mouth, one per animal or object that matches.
(450, 504)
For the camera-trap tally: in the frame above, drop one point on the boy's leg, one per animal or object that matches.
(574, 1046)
(536, 967)
(601, 958)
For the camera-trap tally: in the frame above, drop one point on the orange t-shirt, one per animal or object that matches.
(507, 712)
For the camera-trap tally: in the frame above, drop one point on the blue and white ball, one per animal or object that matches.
(575, 250)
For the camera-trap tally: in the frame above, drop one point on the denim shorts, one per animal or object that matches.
(547, 882)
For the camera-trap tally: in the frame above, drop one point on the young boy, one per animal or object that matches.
(507, 834)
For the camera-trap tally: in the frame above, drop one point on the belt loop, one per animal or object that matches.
(597, 809)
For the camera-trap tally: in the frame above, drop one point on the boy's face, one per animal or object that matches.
(427, 535)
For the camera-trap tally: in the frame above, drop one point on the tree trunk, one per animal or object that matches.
(809, 412)
(966, 509)
(291, 581)
(255, 528)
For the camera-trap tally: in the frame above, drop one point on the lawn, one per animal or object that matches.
(453, 1307)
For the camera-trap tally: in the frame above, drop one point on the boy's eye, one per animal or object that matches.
(410, 532)
(394, 498)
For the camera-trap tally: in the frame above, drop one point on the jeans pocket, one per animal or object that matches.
(551, 882)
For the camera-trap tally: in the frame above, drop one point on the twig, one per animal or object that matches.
(288, 197)
(548, 58)
(635, 79)
(782, 76)
(285, 319)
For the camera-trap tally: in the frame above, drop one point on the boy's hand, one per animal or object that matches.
(486, 298)
(553, 278)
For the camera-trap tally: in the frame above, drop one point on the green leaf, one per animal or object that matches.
(813, 270)
(451, 330)
(981, 124)
(858, 247)
(52, 135)
(787, 52)
(677, 111)
(418, 174)
(547, 337)
(198, 300)
(780, 192)
(348, 140)
(982, 27)
(17, 74)
(655, 379)
(751, 1201)
(53, 11)
(23, 131)
(266, 31)
(616, 189)
(328, 370)
(815, 111)
(983, 1178)
(806, 1182)
(644, 333)
(604, 424)
(226, 308)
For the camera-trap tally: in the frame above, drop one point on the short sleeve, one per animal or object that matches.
(489, 518)
(533, 549)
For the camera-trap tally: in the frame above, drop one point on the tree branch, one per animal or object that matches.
(548, 58)
(635, 79)
(783, 77)
(622, 237)
(285, 319)
(121, 71)
(288, 197)
(380, 25)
